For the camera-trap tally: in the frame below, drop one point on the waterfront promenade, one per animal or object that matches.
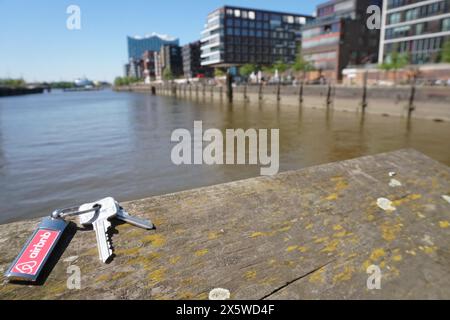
(304, 234)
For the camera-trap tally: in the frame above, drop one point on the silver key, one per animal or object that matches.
(140, 223)
(107, 209)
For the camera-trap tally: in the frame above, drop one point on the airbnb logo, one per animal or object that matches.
(26, 267)
(35, 252)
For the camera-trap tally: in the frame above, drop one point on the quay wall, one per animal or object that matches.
(431, 103)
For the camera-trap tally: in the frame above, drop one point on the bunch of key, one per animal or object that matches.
(31, 260)
(98, 214)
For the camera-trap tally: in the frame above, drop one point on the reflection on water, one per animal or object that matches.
(62, 149)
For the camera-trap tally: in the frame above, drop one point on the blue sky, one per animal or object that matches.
(36, 45)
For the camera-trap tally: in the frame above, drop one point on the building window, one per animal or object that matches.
(394, 18)
(288, 19)
(300, 20)
(420, 28)
(251, 15)
(446, 24)
(412, 14)
(237, 13)
(230, 12)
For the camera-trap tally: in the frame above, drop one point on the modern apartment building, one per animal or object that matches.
(418, 28)
(192, 67)
(234, 36)
(169, 57)
(138, 45)
(339, 37)
(148, 65)
(133, 69)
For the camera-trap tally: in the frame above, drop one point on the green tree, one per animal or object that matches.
(13, 82)
(395, 61)
(218, 72)
(445, 55)
(247, 69)
(268, 69)
(281, 66)
(301, 64)
(167, 74)
(125, 81)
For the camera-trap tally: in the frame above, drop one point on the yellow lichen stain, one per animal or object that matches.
(257, 234)
(302, 249)
(309, 226)
(420, 215)
(174, 260)
(320, 240)
(411, 252)
(187, 282)
(269, 281)
(389, 230)
(394, 271)
(114, 276)
(341, 185)
(317, 277)
(444, 224)
(406, 199)
(128, 252)
(156, 240)
(213, 235)
(337, 227)
(397, 258)
(249, 275)
(354, 240)
(366, 264)
(340, 234)
(332, 197)
(428, 249)
(157, 275)
(284, 229)
(201, 253)
(370, 217)
(351, 255)
(186, 296)
(180, 231)
(144, 260)
(346, 275)
(331, 246)
(291, 248)
(202, 296)
(102, 278)
(92, 251)
(377, 254)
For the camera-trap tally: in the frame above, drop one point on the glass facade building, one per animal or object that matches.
(235, 36)
(138, 45)
(417, 28)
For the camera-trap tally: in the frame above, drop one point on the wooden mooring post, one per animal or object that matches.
(260, 91)
(229, 87)
(329, 101)
(364, 93)
(412, 96)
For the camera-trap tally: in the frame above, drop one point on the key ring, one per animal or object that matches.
(72, 211)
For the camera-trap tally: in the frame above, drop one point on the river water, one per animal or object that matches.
(63, 149)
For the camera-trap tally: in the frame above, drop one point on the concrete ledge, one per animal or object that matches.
(307, 234)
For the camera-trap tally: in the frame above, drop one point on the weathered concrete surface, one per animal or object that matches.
(307, 234)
